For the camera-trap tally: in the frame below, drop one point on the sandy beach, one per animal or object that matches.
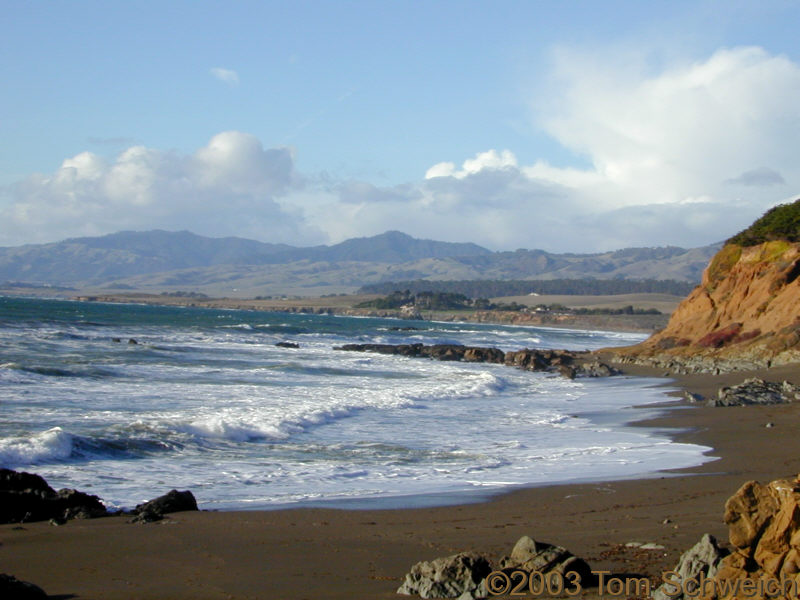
(339, 554)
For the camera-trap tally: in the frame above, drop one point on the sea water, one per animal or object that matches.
(206, 401)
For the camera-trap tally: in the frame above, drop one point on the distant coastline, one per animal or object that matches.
(345, 305)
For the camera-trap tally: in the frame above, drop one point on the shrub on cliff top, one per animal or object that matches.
(781, 222)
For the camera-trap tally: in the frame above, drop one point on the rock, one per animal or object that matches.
(287, 345)
(764, 529)
(595, 369)
(14, 589)
(530, 555)
(703, 558)
(568, 363)
(756, 391)
(487, 355)
(172, 501)
(647, 546)
(28, 497)
(132, 342)
(149, 514)
(693, 398)
(448, 577)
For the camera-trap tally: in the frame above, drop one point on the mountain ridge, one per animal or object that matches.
(166, 260)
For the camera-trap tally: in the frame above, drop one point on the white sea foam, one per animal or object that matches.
(220, 410)
(49, 445)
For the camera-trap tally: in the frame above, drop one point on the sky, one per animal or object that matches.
(570, 126)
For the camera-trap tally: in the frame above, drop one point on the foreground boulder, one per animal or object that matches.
(457, 576)
(14, 589)
(463, 575)
(530, 555)
(764, 530)
(701, 560)
(27, 497)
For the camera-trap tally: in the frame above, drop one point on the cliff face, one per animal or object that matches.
(744, 314)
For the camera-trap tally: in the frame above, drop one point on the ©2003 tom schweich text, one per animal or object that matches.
(535, 583)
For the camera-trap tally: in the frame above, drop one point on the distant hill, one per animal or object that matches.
(389, 247)
(157, 261)
(123, 254)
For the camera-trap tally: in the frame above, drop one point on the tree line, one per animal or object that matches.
(492, 288)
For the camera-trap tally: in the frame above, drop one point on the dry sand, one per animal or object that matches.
(354, 554)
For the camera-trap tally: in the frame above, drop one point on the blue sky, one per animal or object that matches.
(559, 125)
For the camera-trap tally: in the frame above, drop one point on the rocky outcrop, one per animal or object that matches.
(27, 497)
(756, 391)
(566, 362)
(744, 314)
(764, 531)
(701, 560)
(452, 352)
(458, 576)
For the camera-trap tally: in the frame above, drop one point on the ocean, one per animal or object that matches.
(206, 401)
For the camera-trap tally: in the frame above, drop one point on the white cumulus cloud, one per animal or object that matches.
(231, 186)
(688, 155)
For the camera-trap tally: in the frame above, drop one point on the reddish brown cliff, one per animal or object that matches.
(745, 313)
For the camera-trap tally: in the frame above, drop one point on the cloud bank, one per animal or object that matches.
(687, 155)
(227, 187)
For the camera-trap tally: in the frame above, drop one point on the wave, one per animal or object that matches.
(53, 444)
(77, 371)
(57, 445)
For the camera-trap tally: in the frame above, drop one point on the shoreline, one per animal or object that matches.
(344, 307)
(340, 554)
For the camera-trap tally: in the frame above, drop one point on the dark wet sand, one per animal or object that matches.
(354, 554)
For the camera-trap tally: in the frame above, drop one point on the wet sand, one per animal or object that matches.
(354, 554)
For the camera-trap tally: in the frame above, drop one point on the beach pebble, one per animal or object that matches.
(651, 546)
(770, 425)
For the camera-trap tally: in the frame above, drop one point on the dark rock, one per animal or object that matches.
(702, 558)
(172, 501)
(116, 340)
(459, 575)
(14, 589)
(568, 363)
(756, 391)
(132, 341)
(27, 497)
(149, 514)
(595, 369)
(487, 355)
(287, 345)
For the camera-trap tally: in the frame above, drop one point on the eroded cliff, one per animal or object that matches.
(746, 311)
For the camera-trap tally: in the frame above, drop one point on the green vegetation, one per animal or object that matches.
(482, 288)
(722, 263)
(781, 222)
